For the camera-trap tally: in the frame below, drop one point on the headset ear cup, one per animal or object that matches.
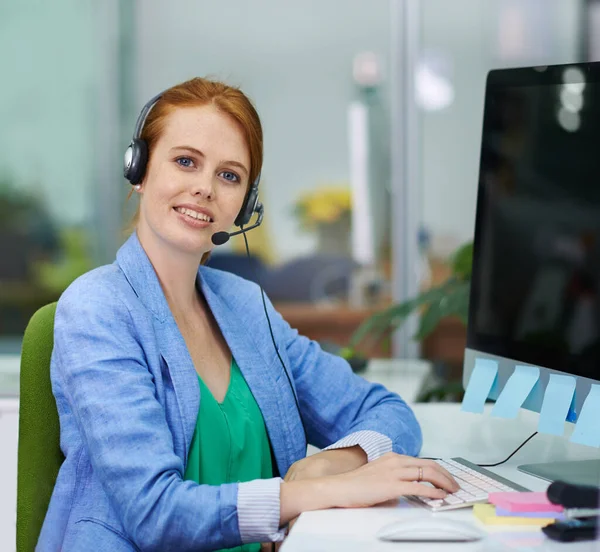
(248, 207)
(136, 159)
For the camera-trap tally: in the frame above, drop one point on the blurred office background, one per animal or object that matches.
(372, 112)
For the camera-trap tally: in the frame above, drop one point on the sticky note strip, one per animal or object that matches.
(516, 390)
(486, 513)
(480, 383)
(524, 502)
(557, 401)
(502, 512)
(587, 429)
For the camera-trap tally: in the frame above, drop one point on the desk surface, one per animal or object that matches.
(449, 432)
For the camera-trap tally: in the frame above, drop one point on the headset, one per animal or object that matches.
(134, 168)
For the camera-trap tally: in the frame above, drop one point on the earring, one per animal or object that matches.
(137, 187)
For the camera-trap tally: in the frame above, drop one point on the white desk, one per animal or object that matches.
(449, 432)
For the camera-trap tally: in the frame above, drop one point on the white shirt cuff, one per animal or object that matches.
(373, 443)
(258, 505)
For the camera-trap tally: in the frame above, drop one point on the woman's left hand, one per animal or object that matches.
(324, 463)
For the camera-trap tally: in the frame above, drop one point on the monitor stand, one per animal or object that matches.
(577, 472)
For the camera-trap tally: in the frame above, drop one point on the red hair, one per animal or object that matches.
(198, 92)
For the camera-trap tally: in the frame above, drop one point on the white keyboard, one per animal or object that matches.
(475, 485)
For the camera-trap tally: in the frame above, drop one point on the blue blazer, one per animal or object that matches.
(128, 398)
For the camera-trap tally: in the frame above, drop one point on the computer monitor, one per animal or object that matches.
(535, 290)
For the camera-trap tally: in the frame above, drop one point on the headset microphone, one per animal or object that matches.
(219, 238)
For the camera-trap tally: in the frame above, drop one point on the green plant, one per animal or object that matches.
(18, 205)
(27, 232)
(450, 298)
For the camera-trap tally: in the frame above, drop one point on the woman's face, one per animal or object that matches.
(196, 180)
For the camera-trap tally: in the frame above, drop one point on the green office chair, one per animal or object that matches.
(40, 456)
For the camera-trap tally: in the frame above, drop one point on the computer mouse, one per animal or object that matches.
(433, 528)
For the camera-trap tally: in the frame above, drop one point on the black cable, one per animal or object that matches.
(262, 293)
(505, 460)
(514, 452)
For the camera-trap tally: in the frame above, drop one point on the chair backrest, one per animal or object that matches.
(40, 456)
(310, 278)
(251, 268)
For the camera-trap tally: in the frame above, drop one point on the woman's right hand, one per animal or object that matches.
(388, 478)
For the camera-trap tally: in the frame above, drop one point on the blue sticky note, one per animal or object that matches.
(557, 403)
(587, 429)
(518, 386)
(482, 378)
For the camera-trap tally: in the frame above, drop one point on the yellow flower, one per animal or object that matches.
(323, 212)
(325, 204)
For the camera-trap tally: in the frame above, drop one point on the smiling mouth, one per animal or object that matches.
(193, 214)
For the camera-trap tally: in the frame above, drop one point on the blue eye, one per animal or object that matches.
(184, 162)
(230, 176)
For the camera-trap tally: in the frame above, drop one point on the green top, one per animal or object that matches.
(230, 441)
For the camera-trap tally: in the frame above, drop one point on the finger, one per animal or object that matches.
(433, 464)
(439, 479)
(428, 466)
(422, 462)
(431, 475)
(450, 483)
(444, 480)
(418, 489)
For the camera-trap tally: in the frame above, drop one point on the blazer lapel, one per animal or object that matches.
(257, 372)
(140, 273)
(183, 375)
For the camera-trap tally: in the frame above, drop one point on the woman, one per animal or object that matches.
(177, 418)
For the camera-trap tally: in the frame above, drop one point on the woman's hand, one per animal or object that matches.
(387, 478)
(327, 462)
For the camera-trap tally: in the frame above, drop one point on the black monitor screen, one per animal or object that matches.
(535, 294)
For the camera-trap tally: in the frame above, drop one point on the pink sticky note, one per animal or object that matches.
(524, 502)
